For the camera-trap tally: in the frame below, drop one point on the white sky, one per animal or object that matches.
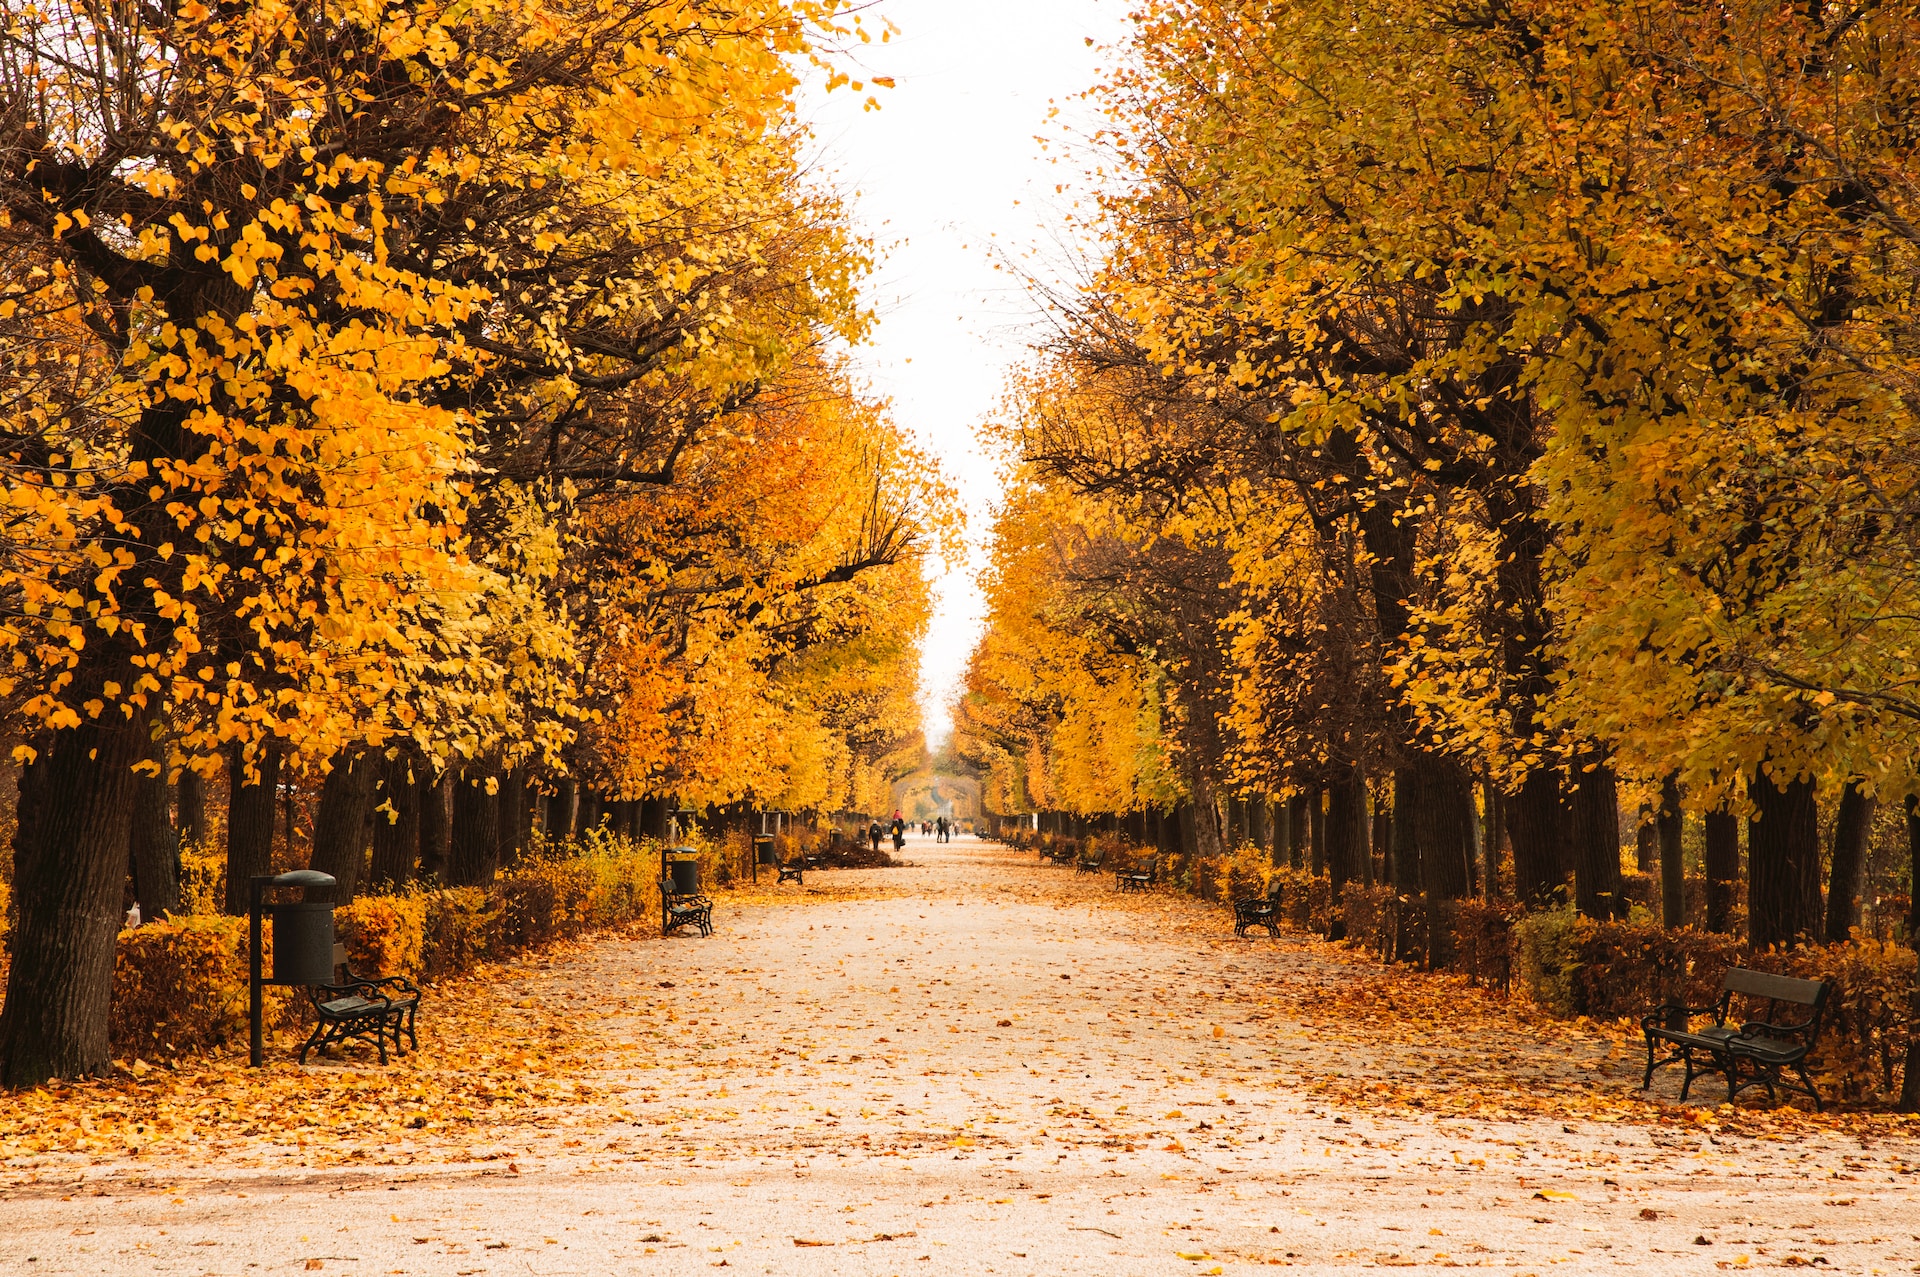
(946, 172)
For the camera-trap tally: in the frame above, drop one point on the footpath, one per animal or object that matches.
(975, 1064)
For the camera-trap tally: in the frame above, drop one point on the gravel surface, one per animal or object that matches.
(976, 1064)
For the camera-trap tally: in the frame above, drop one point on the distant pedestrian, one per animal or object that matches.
(873, 834)
(899, 831)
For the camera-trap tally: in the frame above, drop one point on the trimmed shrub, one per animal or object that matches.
(181, 986)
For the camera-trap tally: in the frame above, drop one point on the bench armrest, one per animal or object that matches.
(398, 982)
(1665, 1015)
(366, 989)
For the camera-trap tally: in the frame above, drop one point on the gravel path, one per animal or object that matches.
(980, 1065)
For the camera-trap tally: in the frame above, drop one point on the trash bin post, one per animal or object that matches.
(257, 887)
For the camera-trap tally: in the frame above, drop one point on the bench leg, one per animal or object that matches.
(1813, 1092)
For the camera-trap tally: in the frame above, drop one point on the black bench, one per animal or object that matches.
(376, 1008)
(1757, 1052)
(792, 870)
(682, 903)
(1137, 879)
(1259, 911)
(1090, 864)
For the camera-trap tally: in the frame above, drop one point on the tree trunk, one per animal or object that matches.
(1299, 831)
(193, 809)
(558, 825)
(1593, 808)
(1346, 837)
(1381, 843)
(1439, 825)
(522, 834)
(1849, 873)
(250, 818)
(1496, 836)
(340, 822)
(1673, 879)
(587, 813)
(1722, 864)
(1533, 827)
(1260, 823)
(512, 800)
(153, 848)
(70, 872)
(653, 819)
(1317, 818)
(435, 826)
(1406, 835)
(1783, 863)
(1646, 838)
(474, 853)
(1910, 1075)
(396, 832)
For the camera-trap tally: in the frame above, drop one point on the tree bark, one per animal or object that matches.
(522, 838)
(1346, 835)
(436, 827)
(1646, 838)
(250, 819)
(1593, 806)
(193, 808)
(1317, 818)
(1910, 1075)
(396, 833)
(1849, 873)
(559, 821)
(587, 813)
(1439, 826)
(473, 855)
(653, 820)
(1299, 832)
(1533, 827)
(70, 871)
(1673, 879)
(153, 847)
(513, 800)
(1783, 863)
(1496, 841)
(1722, 865)
(340, 822)
(1260, 823)
(1406, 835)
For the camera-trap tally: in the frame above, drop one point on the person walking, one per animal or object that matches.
(899, 831)
(873, 835)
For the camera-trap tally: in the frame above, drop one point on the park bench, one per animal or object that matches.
(792, 870)
(1756, 1052)
(682, 903)
(1259, 911)
(1089, 862)
(1137, 879)
(376, 1008)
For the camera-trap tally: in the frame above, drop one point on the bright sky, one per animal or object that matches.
(947, 171)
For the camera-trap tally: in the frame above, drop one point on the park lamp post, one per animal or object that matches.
(302, 944)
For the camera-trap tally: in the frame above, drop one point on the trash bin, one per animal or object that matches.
(685, 875)
(302, 942)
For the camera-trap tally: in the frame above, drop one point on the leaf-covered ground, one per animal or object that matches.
(973, 1064)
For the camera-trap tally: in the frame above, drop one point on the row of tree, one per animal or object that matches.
(416, 397)
(1502, 392)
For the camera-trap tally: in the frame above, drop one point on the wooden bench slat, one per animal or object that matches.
(1784, 988)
